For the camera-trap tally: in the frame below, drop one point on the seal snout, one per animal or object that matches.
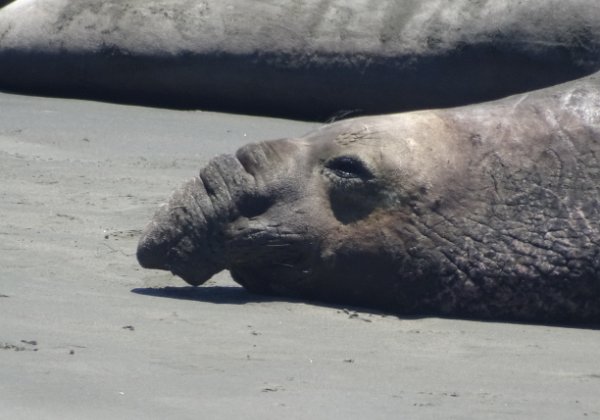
(185, 235)
(153, 246)
(165, 246)
(178, 240)
(149, 256)
(152, 249)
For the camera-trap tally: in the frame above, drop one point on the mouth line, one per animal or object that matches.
(272, 260)
(265, 245)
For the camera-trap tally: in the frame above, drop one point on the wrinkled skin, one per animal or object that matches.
(488, 211)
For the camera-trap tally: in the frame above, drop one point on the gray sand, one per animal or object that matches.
(87, 334)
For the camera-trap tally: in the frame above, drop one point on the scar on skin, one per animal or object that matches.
(362, 134)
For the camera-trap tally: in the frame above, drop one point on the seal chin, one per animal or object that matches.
(196, 273)
(276, 279)
(275, 282)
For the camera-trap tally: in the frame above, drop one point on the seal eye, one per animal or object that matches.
(354, 191)
(349, 167)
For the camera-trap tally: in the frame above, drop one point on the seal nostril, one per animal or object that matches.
(252, 205)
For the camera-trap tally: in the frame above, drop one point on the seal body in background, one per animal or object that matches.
(304, 59)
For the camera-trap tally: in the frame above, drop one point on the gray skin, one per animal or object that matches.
(302, 58)
(488, 211)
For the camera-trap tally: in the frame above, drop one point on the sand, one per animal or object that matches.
(85, 333)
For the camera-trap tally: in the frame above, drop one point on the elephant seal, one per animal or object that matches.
(489, 211)
(305, 59)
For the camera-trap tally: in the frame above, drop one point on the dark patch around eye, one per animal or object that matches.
(354, 191)
(349, 167)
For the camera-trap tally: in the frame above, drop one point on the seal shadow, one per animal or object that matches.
(230, 295)
(237, 295)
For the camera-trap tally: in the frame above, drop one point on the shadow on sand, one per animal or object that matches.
(231, 295)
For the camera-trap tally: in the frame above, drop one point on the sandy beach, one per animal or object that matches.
(85, 333)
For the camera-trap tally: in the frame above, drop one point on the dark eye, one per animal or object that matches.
(349, 167)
